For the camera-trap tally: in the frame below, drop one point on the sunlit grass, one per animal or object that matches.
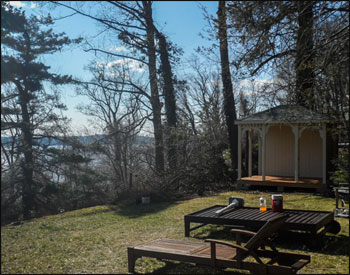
(94, 240)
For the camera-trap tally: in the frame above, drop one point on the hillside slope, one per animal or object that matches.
(94, 240)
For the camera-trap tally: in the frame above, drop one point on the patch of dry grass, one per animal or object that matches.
(94, 240)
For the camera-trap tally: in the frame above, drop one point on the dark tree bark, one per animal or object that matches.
(170, 101)
(304, 64)
(229, 102)
(155, 101)
(27, 147)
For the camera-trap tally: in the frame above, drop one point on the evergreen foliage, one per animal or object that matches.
(30, 108)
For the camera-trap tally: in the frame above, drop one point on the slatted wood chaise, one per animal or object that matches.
(216, 253)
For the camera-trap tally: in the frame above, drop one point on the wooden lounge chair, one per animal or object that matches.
(224, 254)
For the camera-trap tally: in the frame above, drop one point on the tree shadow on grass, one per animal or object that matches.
(92, 212)
(136, 210)
(292, 240)
(328, 244)
(187, 268)
(216, 232)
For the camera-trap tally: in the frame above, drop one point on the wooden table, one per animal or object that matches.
(304, 220)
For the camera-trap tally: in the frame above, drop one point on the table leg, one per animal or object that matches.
(131, 260)
(316, 240)
(336, 198)
(187, 227)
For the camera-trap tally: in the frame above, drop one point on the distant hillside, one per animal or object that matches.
(83, 139)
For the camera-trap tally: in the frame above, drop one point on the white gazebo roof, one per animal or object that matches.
(285, 114)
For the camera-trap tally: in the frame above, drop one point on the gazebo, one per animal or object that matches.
(292, 147)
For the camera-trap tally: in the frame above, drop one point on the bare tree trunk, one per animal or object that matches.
(304, 64)
(116, 138)
(229, 102)
(170, 102)
(155, 101)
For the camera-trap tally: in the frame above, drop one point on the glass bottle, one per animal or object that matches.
(262, 201)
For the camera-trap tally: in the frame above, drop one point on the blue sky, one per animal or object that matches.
(181, 21)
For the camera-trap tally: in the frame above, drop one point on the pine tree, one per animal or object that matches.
(28, 105)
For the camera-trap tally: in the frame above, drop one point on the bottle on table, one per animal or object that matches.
(262, 201)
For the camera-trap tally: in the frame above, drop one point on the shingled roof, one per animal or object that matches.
(285, 113)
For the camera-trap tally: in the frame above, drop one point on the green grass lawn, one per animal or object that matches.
(95, 240)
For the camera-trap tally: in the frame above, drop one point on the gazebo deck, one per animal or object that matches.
(280, 181)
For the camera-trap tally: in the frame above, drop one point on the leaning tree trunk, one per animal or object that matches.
(170, 102)
(304, 64)
(229, 102)
(155, 101)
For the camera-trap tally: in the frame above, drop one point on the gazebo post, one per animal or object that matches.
(263, 152)
(259, 155)
(324, 153)
(250, 165)
(239, 153)
(296, 152)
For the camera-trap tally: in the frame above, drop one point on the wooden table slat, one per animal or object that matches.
(251, 215)
(309, 218)
(257, 214)
(296, 218)
(203, 210)
(242, 214)
(268, 215)
(232, 215)
(318, 217)
(209, 213)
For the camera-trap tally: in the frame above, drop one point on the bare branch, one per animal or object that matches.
(279, 55)
(115, 54)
